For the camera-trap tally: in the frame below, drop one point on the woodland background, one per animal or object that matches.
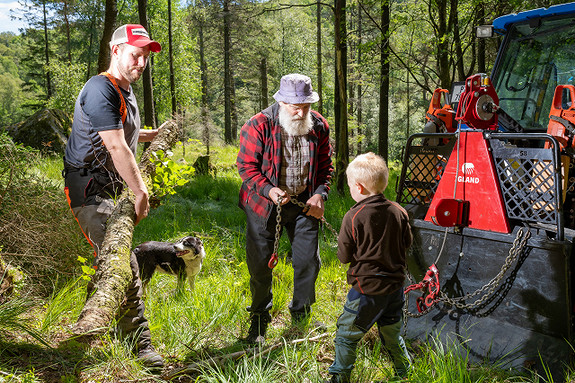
(374, 63)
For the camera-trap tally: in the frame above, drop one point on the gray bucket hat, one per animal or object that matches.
(296, 89)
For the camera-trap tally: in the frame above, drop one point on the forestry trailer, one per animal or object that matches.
(490, 188)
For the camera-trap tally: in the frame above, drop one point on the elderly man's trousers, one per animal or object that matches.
(302, 231)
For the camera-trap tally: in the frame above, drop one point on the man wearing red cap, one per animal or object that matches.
(284, 158)
(100, 158)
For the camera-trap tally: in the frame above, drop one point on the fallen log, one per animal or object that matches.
(113, 273)
(251, 353)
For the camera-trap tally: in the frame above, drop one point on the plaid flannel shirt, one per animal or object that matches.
(259, 159)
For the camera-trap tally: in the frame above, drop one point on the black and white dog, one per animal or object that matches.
(183, 259)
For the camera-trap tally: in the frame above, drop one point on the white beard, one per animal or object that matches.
(295, 126)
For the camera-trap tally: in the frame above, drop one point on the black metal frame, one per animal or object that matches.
(529, 174)
(423, 167)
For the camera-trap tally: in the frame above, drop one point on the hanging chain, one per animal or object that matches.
(274, 258)
(518, 245)
(487, 290)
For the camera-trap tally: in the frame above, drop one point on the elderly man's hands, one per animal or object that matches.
(275, 193)
(315, 206)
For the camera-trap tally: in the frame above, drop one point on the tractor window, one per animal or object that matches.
(538, 56)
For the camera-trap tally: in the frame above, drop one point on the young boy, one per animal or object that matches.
(374, 238)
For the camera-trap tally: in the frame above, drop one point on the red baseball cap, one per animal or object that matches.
(135, 35)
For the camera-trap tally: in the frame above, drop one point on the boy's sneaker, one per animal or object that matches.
(150, 358)
(258, 328)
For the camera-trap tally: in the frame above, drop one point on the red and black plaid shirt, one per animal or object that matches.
(259, 159)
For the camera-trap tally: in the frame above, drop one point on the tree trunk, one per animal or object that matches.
(46, 50)
(443, 42)
(149, 112)
(109, 25)
(227, 76)
(359, 79)
(113, 274)
(340, 99)
(233, 107)
(204, 79)
(67, 26)
(454, 25)
(318, 55)
(171, 60)
(90, 45)
(383, 145)
(481, 42)
(264, 103)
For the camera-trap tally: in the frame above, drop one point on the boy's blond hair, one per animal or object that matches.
(370, 170)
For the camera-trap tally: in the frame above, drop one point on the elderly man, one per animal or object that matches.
(100, 157)
(284, 158)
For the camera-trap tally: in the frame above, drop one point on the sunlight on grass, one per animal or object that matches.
(192, 326)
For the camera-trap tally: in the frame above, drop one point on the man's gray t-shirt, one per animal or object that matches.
(98, 109)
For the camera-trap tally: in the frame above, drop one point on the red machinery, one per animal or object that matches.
(479, 186)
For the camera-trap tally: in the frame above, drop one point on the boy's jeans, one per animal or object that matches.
(366, 310)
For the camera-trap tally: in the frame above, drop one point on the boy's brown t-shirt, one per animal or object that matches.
(374, 238)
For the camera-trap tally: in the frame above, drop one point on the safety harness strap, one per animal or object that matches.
(123, 110)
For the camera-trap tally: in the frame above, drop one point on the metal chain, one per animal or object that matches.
(487, 290)
(323, 220)
(278, 224)
(273, 261)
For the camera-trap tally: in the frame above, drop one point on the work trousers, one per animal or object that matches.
(131, 319)
(360, 313)
(302, 233)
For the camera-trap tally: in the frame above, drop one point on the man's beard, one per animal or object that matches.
(295, 126)
(130, 74)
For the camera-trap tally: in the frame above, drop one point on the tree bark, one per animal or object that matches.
(149, 112)
(233, 107)
(47, 52)
(481, 67)
(263, 84)
(442, 29)
(171, 60)
(318, 58)
(113, 273)
(359, 79)
(204, 78)
(67, 27)
(227, 76)
(340, 99)
(109, 24)
(383, 145)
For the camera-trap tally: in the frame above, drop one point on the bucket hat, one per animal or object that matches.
(296, 89)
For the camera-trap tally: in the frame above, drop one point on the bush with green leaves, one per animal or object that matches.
(169, 174)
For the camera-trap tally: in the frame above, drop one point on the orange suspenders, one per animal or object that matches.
(123, 110)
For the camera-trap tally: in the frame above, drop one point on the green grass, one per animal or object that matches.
(189, 327)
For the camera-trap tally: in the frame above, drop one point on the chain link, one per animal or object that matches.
(274, 259)
(486, 290)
